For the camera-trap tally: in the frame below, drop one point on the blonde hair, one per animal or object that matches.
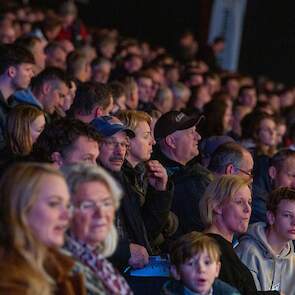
(18, 127)
(20, 187)
(80, 173)
(218, 192)
(191, 244)
(132, 118)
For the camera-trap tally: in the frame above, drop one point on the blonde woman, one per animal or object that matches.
(225, 210)
(34, 215)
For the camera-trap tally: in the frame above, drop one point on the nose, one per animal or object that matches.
(247, 208)
(198, 136)
(98, 211)
(199, 267)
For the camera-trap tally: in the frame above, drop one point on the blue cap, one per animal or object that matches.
(106, 128)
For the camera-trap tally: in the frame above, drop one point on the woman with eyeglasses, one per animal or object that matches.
(93, 236)
(34, 215)
(225, 210)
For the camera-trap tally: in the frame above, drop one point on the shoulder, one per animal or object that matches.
(220, 287)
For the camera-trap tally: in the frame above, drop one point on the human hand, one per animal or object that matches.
(139, 256)
(157, 175)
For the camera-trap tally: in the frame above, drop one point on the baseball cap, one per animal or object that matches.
(107, 126)
(173, 121)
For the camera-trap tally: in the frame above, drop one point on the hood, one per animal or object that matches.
(26, 96)
(256, 233)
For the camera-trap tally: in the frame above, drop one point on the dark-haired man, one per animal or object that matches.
(16, 72)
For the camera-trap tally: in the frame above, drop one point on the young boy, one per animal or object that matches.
(195, 265)
(267, 248)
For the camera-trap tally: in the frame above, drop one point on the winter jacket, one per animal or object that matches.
(174, 287)
(190, 182)
(270, 271)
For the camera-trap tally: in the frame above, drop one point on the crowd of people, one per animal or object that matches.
(113, 150)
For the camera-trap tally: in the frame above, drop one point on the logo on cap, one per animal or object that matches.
(179, 117)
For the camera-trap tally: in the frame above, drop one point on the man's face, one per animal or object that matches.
(186, 144)
(285, 176)
(23, 75)
(84, 150)
(145, 88)
(246, 166)
(39, 55)
(55, 96)
(113, 151)
(57, 59)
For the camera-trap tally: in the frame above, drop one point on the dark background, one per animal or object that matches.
(268, 43)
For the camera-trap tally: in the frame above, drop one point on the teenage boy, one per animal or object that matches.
(267, 248)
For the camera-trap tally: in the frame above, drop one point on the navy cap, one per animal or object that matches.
(107, 126)
(172, 121)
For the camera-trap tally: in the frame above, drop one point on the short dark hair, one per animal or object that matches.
(59, 136)
(14, 55)
(117, 89)
(49, 74)
(228, 153)
(27, 42)
(276, 196)
(280, 158)
(90, 95)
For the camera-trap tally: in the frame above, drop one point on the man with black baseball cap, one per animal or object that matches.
(177, 147)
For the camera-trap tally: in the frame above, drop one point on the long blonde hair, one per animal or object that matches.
(20, 187)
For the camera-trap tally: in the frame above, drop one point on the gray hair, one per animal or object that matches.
(76, 175)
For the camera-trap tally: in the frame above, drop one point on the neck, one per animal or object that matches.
(172, 156)
(221, 230)
(6, 88)
(133, 162)
(277, 244)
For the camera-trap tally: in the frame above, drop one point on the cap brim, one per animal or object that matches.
(193, 121)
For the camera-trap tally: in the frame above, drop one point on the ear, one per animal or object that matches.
(57, 159)
(270, 217)
(170, 141)
(174, 272)
(272, 172)
(98, 112)
(229, 169)
(218, 266)
(217, 209)
(11, 71)
(46, 87)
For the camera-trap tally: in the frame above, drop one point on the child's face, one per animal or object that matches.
(283, 221)
(198, 273)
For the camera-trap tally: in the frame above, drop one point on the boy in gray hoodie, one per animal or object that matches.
(267, 249)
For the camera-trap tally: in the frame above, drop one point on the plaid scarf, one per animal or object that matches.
(113, 282)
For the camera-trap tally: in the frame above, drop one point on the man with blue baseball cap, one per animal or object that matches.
(134, 244)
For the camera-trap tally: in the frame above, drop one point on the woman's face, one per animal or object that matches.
(236, 211)
(267, 133)
(49, 216)
(94, 214)
(36, 127)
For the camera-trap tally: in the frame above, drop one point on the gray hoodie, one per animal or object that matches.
(270, 271)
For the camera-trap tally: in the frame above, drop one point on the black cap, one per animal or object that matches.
(173, 121)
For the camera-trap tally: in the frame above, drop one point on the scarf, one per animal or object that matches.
(114, 283)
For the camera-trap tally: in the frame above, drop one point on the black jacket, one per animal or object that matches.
(190, 182)
(155, 205)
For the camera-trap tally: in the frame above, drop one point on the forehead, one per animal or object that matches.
(84, 143)
(267, 122)
(120, 136)
(243, 191)
(286, 205)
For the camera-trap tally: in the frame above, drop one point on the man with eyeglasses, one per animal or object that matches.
(232, 158)
(134, 245)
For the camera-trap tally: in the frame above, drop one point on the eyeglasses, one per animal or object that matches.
(112, 144)
(250, 173)
(91, 206)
